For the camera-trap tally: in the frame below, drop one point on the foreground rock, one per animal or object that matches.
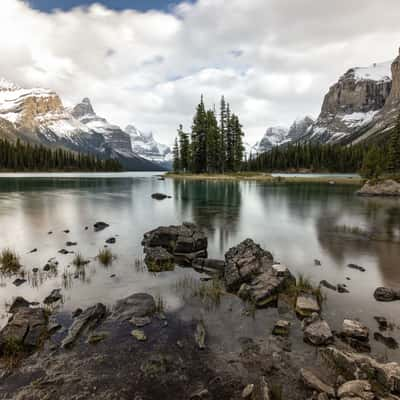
(138, 305)
(386, 294)
(53, 297)
(355, 329)
(184, 242)
(313, 382)
(387, 187)
(361, 366)
(307, 304)
(359, 389)
(25, 330)
(317, 331)
(88, 319)
(158, 259)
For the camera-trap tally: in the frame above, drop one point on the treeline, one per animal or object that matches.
(214, 144)
(26, 157)
(313, 157)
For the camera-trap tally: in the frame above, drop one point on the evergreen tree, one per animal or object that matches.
(212, 142)
(199, 139)
(394, 149)
(223, 125)
(372, 164)
(176, 163)
(184, 149)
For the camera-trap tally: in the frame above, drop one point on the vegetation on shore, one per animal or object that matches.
(21, 156)
(9, 261)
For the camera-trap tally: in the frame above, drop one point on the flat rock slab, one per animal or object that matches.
(355, 329)
(356, 389)
(306, 304)
(137, 305)
(88, 319)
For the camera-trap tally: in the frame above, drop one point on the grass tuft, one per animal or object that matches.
(9, 261)
(105, 256)
(79, 260)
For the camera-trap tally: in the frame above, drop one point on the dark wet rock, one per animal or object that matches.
(388, 341)
(49, 232)
(66, 231)
(69, 244)
(77, 312)
(386, 294)
(328, 285)
(63, 251)
(341, 288)
(53, 297)
(317, 262)
(185, 242)
(140, 322)
(18, 303)
(50, 266)
(281, 328)
(263, 289)
(53, 327)
(19, 281)
(357, 267)
(139, 335)
(158, 259)
(95, 338)
(245, 261)
(312, 382)
(136, 305)
(26, 329)
(317, 331)
(86, 228)
(358, 389)
(355, 366)
(35, 270)
(200, 335)
(111, 240)
(355, 329)
(382, 323)
(99, 226)
(160, 196)
(307, 304)
(88, 319)
(33, 250)
(209, 265)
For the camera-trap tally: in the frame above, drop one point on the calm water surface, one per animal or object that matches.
(296, 222)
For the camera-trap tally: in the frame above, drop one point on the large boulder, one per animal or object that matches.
(25, 329)
(158, 259)
(185, 242)
(386, 294)
(360, 366)
(88, 319)
(137, 305)
(244, 262)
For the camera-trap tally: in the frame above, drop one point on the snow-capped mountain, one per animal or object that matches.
(274, 136)
(37, 115)
(147, 147)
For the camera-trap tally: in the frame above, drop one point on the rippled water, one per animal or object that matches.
(296, 222)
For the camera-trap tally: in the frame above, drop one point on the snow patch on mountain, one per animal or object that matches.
(375, 72)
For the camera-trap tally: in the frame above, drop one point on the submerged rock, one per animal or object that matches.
(382, 322)
(137, 305)
(99, 226)
(160, 196)
(88, 319)
(328, 285)
(357, 267)
(386, 294)
(388, 341)
(158, 259)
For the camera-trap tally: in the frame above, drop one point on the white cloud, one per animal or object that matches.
(273, 59)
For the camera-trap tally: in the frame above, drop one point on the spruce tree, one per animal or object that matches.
(176, 164)
(199, 139)
(223, 124)
(184, 149)
(393, 165)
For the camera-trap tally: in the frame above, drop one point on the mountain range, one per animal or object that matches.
(38, 116)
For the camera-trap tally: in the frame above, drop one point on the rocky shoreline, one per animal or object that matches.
(385, 187)
(136, 349)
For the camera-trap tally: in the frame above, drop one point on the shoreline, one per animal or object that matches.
(265, 177)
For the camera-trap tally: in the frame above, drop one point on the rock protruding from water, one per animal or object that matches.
(356, 389)
(386, 187)
(88, 319)
(160, 196)
(251, 273)
(386, 294)
(317, 331)
(25, 329)
(138, 305)
(307, 304)
(158, 259)
(99, 226)
(355, 329)
(53, 297)
(313, 382)
(354, 366)
(185, 243)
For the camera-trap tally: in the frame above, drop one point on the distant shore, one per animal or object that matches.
(265, 177)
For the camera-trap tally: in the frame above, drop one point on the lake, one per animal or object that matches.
(298, 223)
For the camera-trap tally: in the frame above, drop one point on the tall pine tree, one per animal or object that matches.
(394, 149)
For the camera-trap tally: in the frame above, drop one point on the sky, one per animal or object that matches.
(147, 62)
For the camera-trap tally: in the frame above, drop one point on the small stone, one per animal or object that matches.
(69, 244)
(33, 250)
(111, 240)
(66, 231)
(357, 267)
(307, 304)
(355, 329)
(317, 331)
(317, 262)
(18, 303)
(200, 335)
(388, 341)
(140, 321)
(35, 270)
(356, 389)
(139, 335)
(97, 337)
(19, 281)
(328, 285)
(342, 288)
(248, 391)
(200, 394)
(63, 251)
(99, 226)
(281, 328)
(386, 294)
(160, 196)
(382, 322)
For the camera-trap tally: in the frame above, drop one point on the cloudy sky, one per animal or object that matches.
(146, 62)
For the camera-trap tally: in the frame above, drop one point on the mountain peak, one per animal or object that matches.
(83, 108)
(8, 85)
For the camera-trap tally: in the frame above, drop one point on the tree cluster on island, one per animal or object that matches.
(212, 146)
(21, 156)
